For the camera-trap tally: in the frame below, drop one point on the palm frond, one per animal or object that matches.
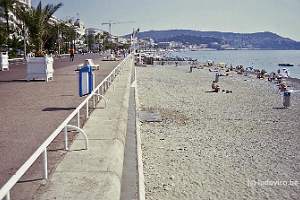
(36, 21)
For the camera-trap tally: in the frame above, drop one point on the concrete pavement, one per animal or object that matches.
(95, 173)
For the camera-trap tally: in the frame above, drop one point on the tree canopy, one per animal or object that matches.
(36, 20)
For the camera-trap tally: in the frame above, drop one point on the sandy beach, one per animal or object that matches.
(239, 145)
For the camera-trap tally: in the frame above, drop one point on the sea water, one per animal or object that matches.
(260, 59)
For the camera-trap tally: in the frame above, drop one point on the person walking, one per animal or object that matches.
(71, 54)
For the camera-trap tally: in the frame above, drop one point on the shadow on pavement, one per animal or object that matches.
(58, 108)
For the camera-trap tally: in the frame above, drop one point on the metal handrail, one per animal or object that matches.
(80, 131)
(5, 190)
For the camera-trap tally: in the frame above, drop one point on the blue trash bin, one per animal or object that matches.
(86, 77)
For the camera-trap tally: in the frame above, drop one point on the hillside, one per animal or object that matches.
(259, 40)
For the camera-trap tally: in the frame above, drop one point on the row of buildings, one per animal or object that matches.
(149, 43)
(82, 32)
(12, 17)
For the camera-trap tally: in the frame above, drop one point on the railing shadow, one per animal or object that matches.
(49, 109)
(30, 180)
(21, 80)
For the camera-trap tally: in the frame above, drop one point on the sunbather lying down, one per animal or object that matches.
(213, 70)
(215, 87)
(226, 91)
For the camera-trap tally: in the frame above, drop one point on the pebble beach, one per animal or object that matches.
(239, 145)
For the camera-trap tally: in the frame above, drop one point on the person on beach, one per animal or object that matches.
(285, 73)
(71, 51)
(279, 73)
(272, 76)
(283, 86)
(215, 87)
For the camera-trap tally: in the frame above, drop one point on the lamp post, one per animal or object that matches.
(59, 40)
(134, 39)
(25, 38)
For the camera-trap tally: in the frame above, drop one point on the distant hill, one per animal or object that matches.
(259, 40)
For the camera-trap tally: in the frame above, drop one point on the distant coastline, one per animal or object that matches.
(219, 40)
(242, 49)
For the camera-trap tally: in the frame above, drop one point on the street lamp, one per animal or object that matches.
(25, 38)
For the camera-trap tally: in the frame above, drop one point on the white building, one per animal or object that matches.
(26, 2)
(123, 40)
(93, 31)
(12, 17)
(79, 27)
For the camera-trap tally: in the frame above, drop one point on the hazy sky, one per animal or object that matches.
(279, 16)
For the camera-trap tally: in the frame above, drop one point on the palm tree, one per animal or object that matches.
(3, 36)
(36, 20)
(7, 6)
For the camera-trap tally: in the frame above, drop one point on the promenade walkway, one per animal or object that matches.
(30, 111)
(95, 173)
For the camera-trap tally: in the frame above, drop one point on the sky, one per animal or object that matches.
(244, 16)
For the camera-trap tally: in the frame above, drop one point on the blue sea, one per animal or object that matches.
(260, 59)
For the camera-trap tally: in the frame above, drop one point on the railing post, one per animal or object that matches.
(45, 164)
(94, 101)
(78, 119)
(7, 197)
(87, 109)
(98, 93)
(66, 138)
(82, 132)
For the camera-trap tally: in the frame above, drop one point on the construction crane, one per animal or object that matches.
(110, 23)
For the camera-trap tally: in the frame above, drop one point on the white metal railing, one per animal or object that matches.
(42, 150)
(80, 131)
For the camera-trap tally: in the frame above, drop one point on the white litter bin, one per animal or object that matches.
(4, 65)
(287, 99)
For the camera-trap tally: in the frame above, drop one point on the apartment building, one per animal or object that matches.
(12, 17)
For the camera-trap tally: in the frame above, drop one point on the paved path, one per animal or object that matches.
(30, 111)
(95, 173)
